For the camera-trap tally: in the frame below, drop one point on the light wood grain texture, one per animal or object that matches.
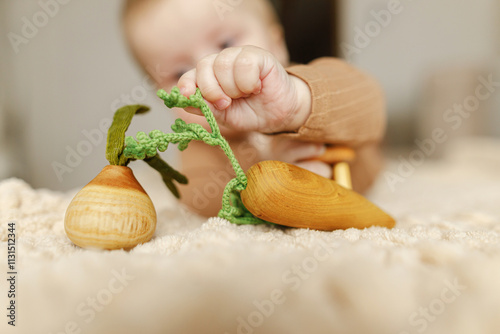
(342, 174)
(288, 195)
(334, 154)
(339, 157)
(111, 212)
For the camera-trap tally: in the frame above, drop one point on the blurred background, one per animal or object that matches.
(64, 70)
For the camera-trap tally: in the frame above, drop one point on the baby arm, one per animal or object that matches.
(348, 108)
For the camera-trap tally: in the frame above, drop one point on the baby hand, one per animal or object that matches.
(249, 90)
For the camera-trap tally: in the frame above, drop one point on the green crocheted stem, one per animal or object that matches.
(147, 146)
(176, 99)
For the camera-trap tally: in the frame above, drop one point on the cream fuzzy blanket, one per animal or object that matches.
(438, 271)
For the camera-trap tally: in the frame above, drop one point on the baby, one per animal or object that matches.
(236, 54)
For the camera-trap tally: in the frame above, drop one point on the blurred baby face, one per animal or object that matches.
(169, 37)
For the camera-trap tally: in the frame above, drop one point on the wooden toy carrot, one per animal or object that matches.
(289, 195)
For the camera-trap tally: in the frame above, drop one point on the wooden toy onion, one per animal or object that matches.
(288, 195)
(111, 212)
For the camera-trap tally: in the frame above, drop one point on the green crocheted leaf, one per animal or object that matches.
(183, 145)
(168, 174)
(159, 140)
(179, 126)
(133, 150)
(116, 133)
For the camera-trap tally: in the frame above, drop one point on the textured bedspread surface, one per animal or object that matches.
(438, 271)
